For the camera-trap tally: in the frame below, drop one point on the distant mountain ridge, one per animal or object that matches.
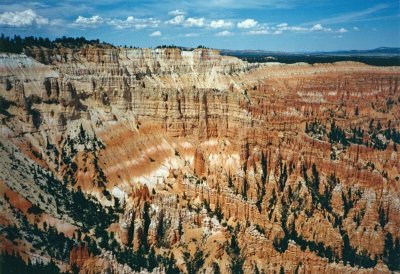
(382, 56)
(371, 52)
(376, 51)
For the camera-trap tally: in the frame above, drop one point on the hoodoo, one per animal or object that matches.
(119, 160)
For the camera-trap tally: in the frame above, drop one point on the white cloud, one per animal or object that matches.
(259, 32)
(220, 24)
(155, 34)
(298, 29)
(356, 29)
(198, 22)
(246, 24)
(129, 23)
(191, 34)
(189, 22)
(319, 27)
(177, 20)
(195, 22)
(285, 27)
(282, 25)
(88, 21)
(133, 22)
(176, 12)
(22, 19)
(224, 33)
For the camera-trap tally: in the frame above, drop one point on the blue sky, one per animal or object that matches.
(278, 25)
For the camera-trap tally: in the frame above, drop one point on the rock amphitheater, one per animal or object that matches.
(116, 160)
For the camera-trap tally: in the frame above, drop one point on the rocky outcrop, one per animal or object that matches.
(189, 150)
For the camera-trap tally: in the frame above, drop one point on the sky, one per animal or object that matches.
(276, 25)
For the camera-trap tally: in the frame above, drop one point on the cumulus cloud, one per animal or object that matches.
(282, 25)
(176, 12)
(246, 24)
(319, 27)
(155, 34)
(180, 19)
(220, 24)
(298, 29)
(177, 20)
(285, 27)
(22, 19)
(133, 22)
(224, 33)
(189, 22)
(356, 29)
(259, 32)
(129, 23)
(88, 21)
(195, 22)
(191, 34)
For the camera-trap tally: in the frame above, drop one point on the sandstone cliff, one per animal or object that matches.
(188, 156)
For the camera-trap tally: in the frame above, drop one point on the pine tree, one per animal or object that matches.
(382, 217)
(170, 265)
(237, 260)
(283, 176)
(193, 264)
(146, 224)
(218, 212)
(151, 259)
(315, 178)
(391, 252)
(215, 267)
(245, 187)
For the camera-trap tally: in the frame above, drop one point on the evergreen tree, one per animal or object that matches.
(391, 252)
(237, 260)
(170, 265)
(218, 212)
(215, 267)
(151, 259)
(382, 217)
(193, 264)
(146, 224)
(245, 187)
(14, 264)
(315, 177)
(283, 176)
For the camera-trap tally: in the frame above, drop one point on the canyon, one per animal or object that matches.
(127, 160)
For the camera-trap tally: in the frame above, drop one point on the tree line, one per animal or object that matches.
(17, 43)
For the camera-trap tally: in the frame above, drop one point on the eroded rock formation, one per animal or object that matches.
(137, 159)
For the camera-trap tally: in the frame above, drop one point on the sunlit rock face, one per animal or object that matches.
(125, 160)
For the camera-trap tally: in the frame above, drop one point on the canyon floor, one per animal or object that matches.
(118, 160)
